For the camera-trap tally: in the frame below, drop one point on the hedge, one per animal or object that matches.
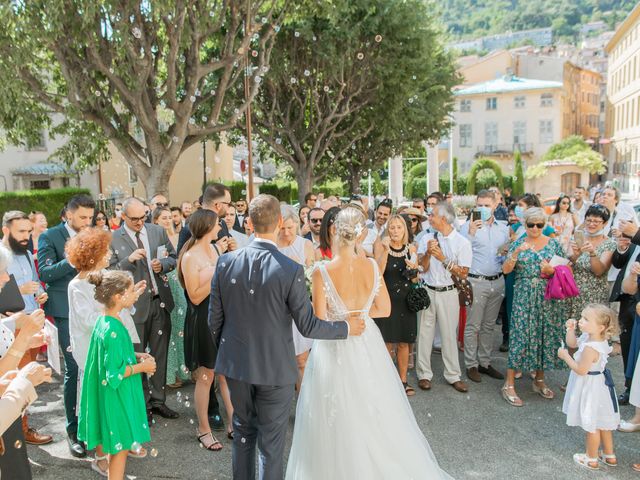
(49, 202)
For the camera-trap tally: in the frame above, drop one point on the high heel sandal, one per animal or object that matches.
(96, 467)
(586, 462)
(214, 446)
(544, 392)
(512, 400)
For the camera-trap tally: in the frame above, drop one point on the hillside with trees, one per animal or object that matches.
(488, 17)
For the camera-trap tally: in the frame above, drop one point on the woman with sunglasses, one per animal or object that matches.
(327, 231)
(564, 221)
(100, 220)
(591, 257)
(536, 324)
(415, 219)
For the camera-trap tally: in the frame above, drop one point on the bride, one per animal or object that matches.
(353, 419)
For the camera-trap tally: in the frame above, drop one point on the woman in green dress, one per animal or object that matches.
(591, 257)
(112, 406)
(536, 324)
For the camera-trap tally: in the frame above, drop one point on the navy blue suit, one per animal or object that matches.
(255, 293)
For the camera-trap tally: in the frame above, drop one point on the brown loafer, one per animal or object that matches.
(424, 384)
(460, 386)
(474, 374)
(32, 437)
(490, 371)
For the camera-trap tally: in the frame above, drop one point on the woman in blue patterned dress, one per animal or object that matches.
(536, 323)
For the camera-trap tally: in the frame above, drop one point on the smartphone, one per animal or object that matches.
(475, 216)
(578, 237)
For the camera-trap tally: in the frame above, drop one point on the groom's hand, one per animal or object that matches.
(356, 323)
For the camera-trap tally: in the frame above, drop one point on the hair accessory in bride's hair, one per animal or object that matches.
(358, 229)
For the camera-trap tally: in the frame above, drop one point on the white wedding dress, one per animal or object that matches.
(353, 419)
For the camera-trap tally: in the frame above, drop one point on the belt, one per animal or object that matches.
(608, 381)
(484, 277)
(441, 289)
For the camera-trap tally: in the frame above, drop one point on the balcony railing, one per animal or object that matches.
(507, 149)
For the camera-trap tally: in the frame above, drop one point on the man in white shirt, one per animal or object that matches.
(580, 203)
(377, 227)
(488, 237)
(441, 253)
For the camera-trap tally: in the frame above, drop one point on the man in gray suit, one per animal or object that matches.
(255, 292)
(145, 250)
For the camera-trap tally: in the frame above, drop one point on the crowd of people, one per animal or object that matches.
(128, 292)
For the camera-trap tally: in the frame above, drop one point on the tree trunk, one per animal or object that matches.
(304, 177)
(354, 181)
(157, 182)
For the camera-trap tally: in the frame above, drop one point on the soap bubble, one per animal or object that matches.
(153, 453)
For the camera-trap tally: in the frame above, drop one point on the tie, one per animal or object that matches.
(146, 265)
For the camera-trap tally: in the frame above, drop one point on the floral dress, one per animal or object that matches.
(536, 324)
(592, 289)
(176, 369)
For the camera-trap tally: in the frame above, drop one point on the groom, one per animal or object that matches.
(255, 292)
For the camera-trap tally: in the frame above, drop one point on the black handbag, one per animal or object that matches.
(11, 300)
(417, 298)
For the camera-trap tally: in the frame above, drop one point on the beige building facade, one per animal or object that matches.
(623, 108)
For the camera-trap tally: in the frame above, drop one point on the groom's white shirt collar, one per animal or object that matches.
(264, 240)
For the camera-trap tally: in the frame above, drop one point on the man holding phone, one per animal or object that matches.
(487, 237)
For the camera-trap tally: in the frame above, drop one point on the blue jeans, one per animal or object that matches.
(70, 385)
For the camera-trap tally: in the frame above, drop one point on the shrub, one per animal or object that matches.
(49, 202)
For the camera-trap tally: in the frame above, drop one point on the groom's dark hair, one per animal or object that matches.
(264, 212)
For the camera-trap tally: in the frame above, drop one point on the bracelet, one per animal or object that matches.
(591, 255)
(131, 373)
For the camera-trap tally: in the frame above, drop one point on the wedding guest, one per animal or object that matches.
(314, 220)
(176, 219)
(100, 220)
(327, 232)
(176, 370)
(591, 261)
(590, 401)
(186, 208)
(536, 329)
(416, 219)
(630, 285)
(500, 213)
(161, 216)
(248, 228)
(633, 424)
(39, 223)
(158, 201)
(564, 221)
(310, 200)
(488, 238)
(144, 250)
(116, 220)
(442, 253)
(56, 272)
(301, 251)
(303, 215)
(383, 211)
(580, 203)
(397, 259)
(231, 220)
(241, 212)
(112, 405)
(16, 230)
(89, 252)
(196, 266)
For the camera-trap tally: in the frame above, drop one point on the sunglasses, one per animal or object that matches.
(161, 205)
(316, 220)
(137, 219)
(414, 220)
(538, 225)
(100, 219)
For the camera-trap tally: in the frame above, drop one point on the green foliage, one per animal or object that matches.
(477, 18)
(334, 187)
(460, 185)
(455, 175)
(518, 185)
(49, 202)
(479, 165)
(571, 150)
(353, 83)
(238, 189)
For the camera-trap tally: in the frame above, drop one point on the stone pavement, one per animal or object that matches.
(474, 436)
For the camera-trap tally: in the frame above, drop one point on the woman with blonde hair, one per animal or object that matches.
(397, 259)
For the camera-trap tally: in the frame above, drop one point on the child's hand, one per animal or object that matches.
(571, 324)
(563, 354)
(148, 365)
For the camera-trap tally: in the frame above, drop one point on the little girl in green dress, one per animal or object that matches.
(112, 406)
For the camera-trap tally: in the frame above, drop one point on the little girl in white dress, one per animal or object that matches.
(590, 401)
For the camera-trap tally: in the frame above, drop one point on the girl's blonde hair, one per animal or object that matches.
(605, 317)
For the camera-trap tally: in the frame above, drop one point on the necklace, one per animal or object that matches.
(394, 252)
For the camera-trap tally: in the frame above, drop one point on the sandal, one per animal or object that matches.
(610, 460)
(586, 462)
(95, 466)
(176, 384)
(214, 445)
(544, 391)
(518, 375)
(513, 400)
(635, 467)
(408, 389)
(141, 453)
(230, 435)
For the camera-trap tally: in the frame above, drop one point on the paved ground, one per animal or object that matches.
(474, 436)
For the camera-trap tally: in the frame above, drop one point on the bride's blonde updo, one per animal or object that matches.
(349, 225)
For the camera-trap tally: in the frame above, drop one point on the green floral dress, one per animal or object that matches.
(536, 323)
(112, 407)
(176, 369)
(592, 289)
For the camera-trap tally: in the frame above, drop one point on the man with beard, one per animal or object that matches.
(315, 221)
(16, 230)
(56, 271)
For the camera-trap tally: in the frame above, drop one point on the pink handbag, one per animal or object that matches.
(561, 285)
